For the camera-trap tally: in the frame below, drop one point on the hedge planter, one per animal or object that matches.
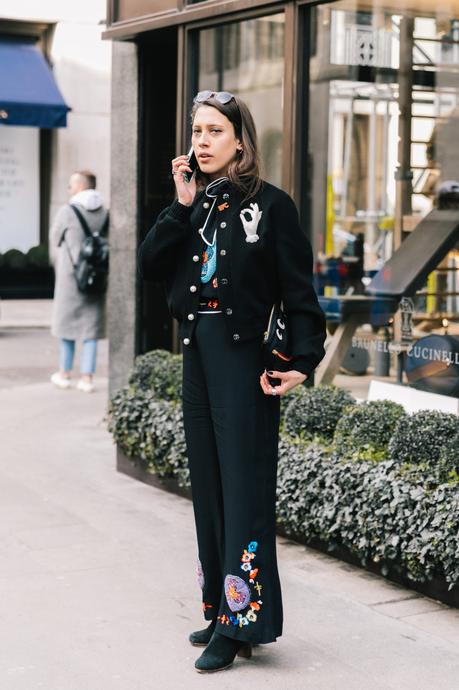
(26, 283)
(436, 588)
(372, 515)
(366, 483)
(26, 275)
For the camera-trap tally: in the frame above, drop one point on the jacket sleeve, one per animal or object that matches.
(306, 320)
(158, 251)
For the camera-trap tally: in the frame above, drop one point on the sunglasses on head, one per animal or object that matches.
(222, 97)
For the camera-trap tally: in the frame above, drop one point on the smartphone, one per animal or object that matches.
(193, 163)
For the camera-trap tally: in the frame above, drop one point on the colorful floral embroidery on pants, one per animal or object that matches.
(239, 595)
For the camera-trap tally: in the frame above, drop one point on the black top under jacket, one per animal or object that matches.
(261, 259)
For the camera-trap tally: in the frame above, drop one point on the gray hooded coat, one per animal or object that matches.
(76, 316)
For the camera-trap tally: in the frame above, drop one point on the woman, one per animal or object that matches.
(228, 248)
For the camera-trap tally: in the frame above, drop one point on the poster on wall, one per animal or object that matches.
(19, 188)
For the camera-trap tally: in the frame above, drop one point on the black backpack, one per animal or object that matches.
(91, 268)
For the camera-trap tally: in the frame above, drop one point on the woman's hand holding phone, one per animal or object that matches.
(186, 191)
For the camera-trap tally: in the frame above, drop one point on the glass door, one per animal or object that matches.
(247, 59)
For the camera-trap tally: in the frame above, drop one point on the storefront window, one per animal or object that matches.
(384, 154)
(19, 188)
(247, 59)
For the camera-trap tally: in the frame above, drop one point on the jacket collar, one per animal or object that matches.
(216, 187)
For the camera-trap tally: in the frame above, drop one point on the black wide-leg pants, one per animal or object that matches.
(231, 430)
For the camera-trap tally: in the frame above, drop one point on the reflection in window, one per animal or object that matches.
(383, 154)
(355, 76)
(247, 59)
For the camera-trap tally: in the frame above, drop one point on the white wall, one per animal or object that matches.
(82, 69)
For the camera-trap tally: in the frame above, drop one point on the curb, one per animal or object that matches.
(9, 325)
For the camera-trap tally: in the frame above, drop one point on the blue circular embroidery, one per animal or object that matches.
(209, 262)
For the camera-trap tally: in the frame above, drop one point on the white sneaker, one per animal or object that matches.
(85, 386)
(60, 381)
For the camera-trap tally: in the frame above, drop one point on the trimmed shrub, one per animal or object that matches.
(299, 480)
(14, 258)
(442, 466)
(364, 431)
(38, 256)
(419, 438)
(313, 413)
(127, 416)
(448, 461)
(150, 430)
(177, 458)
(166, 454)
(430, 543)
(370, 509)
(166, 423)
(144, 365)
(160, 372)
(401, 512)
(285, 401)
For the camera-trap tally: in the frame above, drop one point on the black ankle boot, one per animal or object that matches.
(201, 638)
(220, 653)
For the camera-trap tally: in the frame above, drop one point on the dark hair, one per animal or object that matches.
(89, 178)
(244, 170)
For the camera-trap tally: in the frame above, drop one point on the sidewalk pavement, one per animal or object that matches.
(28, 353)
(98, 589)
(21, 313)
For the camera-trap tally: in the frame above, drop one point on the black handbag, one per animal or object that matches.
(276, 339)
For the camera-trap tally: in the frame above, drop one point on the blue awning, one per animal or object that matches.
(29, 96)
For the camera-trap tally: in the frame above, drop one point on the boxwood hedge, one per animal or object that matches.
(313, 413)
(370, 509)
(364, 431)
(422, 437)
(150, 430)
(401, 512)
(160, 372)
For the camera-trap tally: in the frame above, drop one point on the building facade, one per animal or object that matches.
(356, 106)
(63, 42)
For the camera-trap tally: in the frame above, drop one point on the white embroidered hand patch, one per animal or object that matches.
(250, 226)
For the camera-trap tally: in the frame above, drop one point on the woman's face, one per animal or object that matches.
(214, 141)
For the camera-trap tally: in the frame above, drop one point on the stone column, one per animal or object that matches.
(122, 291)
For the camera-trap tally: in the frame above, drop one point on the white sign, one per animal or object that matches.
(19, 188)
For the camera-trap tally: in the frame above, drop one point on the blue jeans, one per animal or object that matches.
(88, 355)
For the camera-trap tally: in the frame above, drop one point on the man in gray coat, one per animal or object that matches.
(76, 316)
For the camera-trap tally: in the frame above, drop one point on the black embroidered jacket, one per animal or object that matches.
(263, 257)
